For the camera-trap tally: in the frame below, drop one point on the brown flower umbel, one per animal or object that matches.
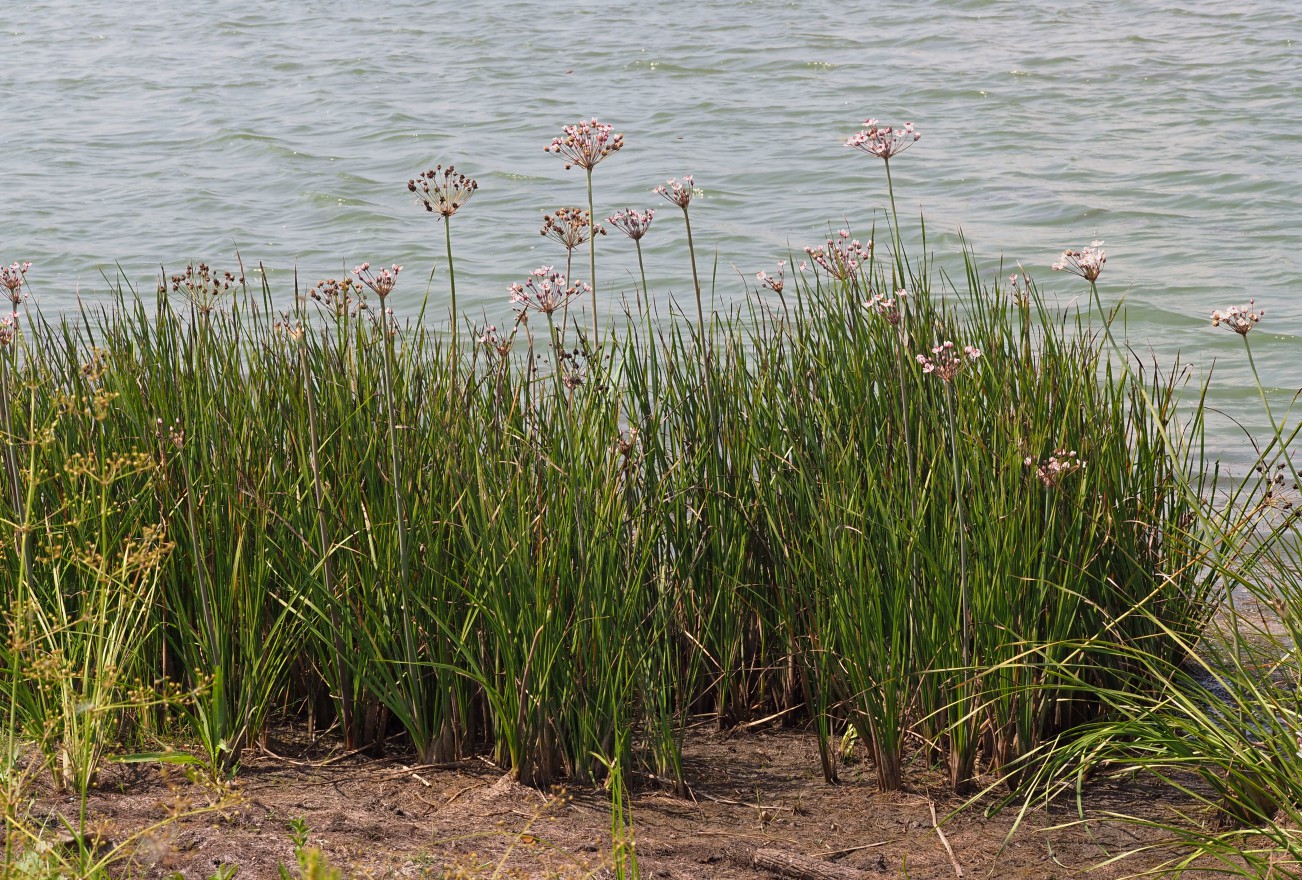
(442, 190)
(343, 296)
(204, 287)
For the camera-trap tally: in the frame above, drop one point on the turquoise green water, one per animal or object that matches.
(156, 133)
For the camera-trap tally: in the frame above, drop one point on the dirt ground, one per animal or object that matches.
(381, 818)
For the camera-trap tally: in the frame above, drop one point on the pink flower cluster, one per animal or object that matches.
(678, 192)
(12, 279)
(1087, 262)
(442, 190)
(1019, 288)
(494, 341)
(773, 283)
(1051, 471)
(1240, 319)
(632, 223)
(545, 291)
(887, 307)
(586, 143)
(8, 328)
(946, 362)
(841, 256)
(381, 282)
(883, 141)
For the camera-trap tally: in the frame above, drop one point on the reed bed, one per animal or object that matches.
(324, 518)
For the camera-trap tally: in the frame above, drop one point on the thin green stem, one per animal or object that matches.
(452, 282)
(592, 259)
(696, 281)
(637, 242)
(895, 225)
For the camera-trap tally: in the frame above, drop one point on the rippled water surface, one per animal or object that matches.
(155, 133)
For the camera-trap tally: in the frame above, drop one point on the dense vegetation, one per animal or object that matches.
(945, 522)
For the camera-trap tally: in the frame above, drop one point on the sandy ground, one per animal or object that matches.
(385, 817)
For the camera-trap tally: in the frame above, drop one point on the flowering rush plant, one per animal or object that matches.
(946, 361)
(883, 141)
(585, 143)
(1087, 262)
(1240, 319)
(680, 192)
(12, 279)
(887, 307)
(569, 227)
(1051, 471)
(773, 282)
(545, 290)
(632, 223)
(841, 256)
(381, 282)
(442, 190)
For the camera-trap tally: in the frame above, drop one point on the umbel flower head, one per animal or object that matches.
(545, 290)
(442, 190)
(885, 306)
(381, 282)
(883, 141)
(13, 278)
(946, 362)
(680, 192)
(585, 143)
(570, 227)
(204, 286)
(342, 296)
(1240, 319)
(841, 256)
(1051, 471)
(632, 223)
(1087, 262)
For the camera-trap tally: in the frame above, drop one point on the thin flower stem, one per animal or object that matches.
(895, 226)
(452, 281)
(696, 281)
(641, 269)
(592, 259)
(904, 422)
(565, 308)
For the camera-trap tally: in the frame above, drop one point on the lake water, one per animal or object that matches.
(158, 133)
